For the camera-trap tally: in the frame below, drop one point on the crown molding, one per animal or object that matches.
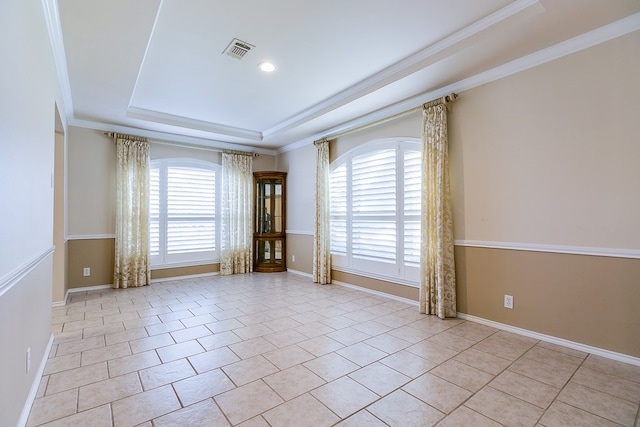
(401, 68)
(173, 120)
(52, 19)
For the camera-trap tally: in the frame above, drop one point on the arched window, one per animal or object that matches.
(375, 210)
(184, 219)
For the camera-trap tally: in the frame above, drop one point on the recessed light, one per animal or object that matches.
(267, 67)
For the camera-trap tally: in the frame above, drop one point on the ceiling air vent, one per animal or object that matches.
(237, 48)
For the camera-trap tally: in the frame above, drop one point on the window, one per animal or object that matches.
(184, 220)
(375, 210)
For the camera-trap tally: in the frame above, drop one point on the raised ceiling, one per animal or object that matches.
(157, 67)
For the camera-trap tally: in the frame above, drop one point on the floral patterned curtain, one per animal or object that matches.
(438, 279)
(322, 237)
(132, 213)
(236, 220)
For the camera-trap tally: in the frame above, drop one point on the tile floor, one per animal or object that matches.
(278, 350)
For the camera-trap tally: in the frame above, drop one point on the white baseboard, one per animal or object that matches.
(300, 273)
(378, 293)
(520, 331)
(190, 276)
(554, 340)
(33, 391)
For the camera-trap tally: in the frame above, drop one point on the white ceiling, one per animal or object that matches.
(157, 68)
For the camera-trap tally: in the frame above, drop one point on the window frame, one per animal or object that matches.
(164, 259)
(397, 271)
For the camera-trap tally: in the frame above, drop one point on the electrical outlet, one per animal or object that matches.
(86, 271)
(293, 258)
(508, 301)
(28, 359)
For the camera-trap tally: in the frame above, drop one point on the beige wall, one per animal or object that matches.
(546, 159)
(27, 134)
(92, 178)
(59, 220)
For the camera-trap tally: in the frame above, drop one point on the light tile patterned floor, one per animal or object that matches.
(276, 349)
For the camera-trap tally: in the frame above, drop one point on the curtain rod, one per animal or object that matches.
(442, 100)
(115, 136)
(195, 147)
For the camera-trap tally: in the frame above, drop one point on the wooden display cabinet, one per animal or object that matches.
(269, 212)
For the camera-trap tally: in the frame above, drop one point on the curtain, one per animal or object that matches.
(132, 214)
(438, 281)
(236, 219)
(322, 237)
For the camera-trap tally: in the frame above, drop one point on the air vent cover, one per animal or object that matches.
(237, 48)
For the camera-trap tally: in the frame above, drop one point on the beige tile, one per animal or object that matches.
(331, 366)
(372, 328)
(129, 335)
(403, 410)
(77, 377)
(483, 361)
(96, 417)
(610, 384)
(96, 394)
(165, 373)
(408, 363)
(65, 337)
(205, 413)
(362, 418)
(504, 408)
(108, 328)
(548, 374)
(224, 325)
(344, 396)
(387, 343)
(191, 333)
(286, 357)
(464, 416)
(81, 324)
(361, 353)
(162, 328)
(102, 354)
(121, 317)
(562, 415)
(135, 362)
(613, 367)
(252, 347)
(281, 324)
(334, 323)
(213, 359)
(473, 331)
(348, 336)
(293, 382)
(80, 345)
(510, 350)
(248, 370)
(525, 388)
(285, 338)
(42, 387)
(320, 345)
(554, 358)
(380, 378)
(314, 329)
(141, 323)
(244, 403)
(411, 334)
(62, 363)
(449, 340)
(432, 351)
(599, 403)
(145, 406)
(465, 376)
(178, 351)
(203, 386)
(437, 392)
(53, 407)
(304, 410)
(151, 343)
(566, 350)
